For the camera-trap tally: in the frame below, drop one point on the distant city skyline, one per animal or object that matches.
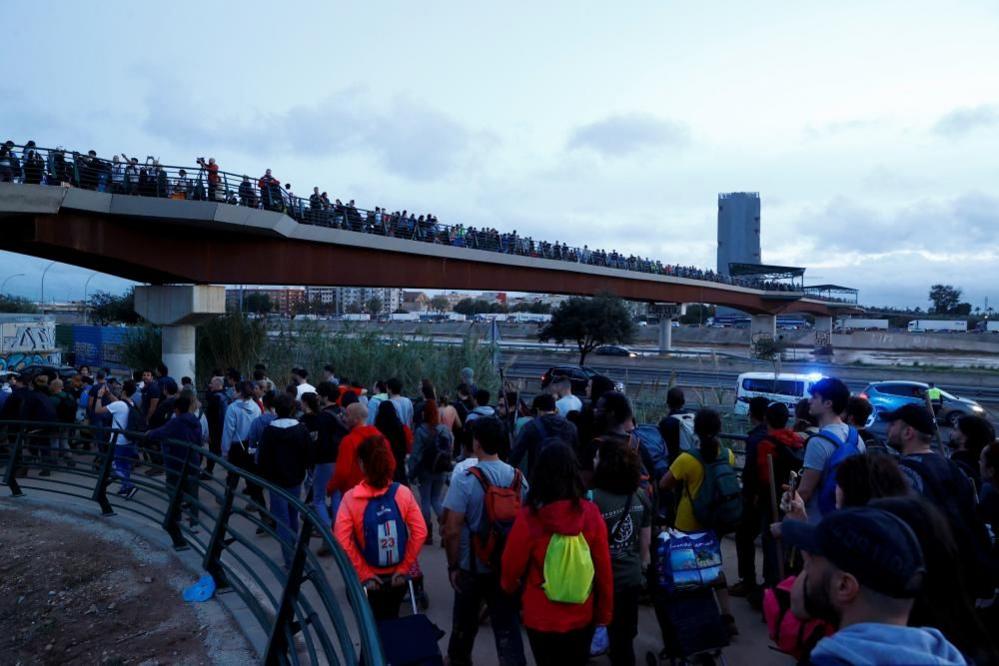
(870, 130)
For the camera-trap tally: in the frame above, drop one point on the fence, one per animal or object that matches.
(204, 183)
(297, 608)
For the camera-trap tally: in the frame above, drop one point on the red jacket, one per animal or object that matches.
(524, 560)
(347, 472)
(349, 529)
(768, 446)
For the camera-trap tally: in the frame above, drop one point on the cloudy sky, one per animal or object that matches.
(871, 130)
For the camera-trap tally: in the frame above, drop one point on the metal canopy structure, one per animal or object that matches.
(832, 292)
(769, 272)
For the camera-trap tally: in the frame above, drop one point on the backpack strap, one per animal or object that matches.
(481, 477)
(390, 493)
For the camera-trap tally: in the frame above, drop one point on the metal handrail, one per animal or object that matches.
(60, 167)
(298, 608)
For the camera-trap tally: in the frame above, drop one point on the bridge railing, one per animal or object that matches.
(149, 178)
(299, 608)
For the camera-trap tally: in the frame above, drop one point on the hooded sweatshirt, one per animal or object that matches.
(184, 428)
(239, 417)
(347, 471)
(769, 446)
(524, 560)
(284, 452)
(349, 529)
(872, 643)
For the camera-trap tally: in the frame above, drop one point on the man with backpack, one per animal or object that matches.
(481, 505)
(547, 426)
(825, 450)
(123, 413)
(784, 450)
(677, 427)
(942, 482)
(749, 527)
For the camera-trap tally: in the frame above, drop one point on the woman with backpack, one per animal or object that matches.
(400, 437)
(628, 515)
(430, 464)
(376, 508)
(557, 552)
(691, 469)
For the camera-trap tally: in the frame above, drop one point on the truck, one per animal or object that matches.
(355, 317)
(938, 326)
(851, 324)
(404, 316)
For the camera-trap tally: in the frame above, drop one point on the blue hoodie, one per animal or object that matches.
(873, 643)
(184, 428)
(239, 417)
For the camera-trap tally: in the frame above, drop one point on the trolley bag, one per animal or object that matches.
(411, 640)
(687, 561)
(691, 624)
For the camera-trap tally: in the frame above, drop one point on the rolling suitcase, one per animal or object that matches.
(411, 640)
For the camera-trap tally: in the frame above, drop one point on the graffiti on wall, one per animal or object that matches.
(12, 362)
(27, 337)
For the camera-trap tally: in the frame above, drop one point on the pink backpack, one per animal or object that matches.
(791, 635)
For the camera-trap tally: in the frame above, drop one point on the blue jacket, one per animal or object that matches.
(239, 417)
(181, 428)
(872, 643)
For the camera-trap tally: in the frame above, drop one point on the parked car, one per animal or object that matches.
(890, 395)
(63, 372)
(579, 376)
(614, 350)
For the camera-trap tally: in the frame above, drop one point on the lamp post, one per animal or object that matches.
(42, 299)
(85, 285)
(9, 277)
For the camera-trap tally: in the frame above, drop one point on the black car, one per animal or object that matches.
(579, 376)
(614, 350)
(63, 372)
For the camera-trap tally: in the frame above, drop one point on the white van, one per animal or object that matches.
(785, 387)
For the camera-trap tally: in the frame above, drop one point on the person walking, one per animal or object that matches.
(239, 416)
(282, 459)
(558, 553)
(381, 529)
(548, 426)
(399, 436)
(628, 516)
(431, 463)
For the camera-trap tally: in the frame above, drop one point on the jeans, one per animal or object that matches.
(571, 648)
(322, 476)
(190, 490)
(503, 616)
(240, 457)
(286, 516)
(125, 456)
(624, 627)
(432, 487)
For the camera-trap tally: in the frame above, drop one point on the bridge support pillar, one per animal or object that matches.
(178, 309)
(823, 325)
(665, 335)
(763, 324)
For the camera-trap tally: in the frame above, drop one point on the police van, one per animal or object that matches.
(784, 387)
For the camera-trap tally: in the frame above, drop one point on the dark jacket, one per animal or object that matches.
(284, 452)
(332, 430)
(750, 475)
(11, 410)
(215, 405)
(535, 433)
(37, 406)
(184, 428)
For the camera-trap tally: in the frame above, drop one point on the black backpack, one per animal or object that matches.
(136, 419)
(439, 459)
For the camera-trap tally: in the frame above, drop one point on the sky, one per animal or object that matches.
(870, 130)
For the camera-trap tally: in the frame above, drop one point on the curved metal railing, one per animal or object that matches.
(57, 166)
(299, 609)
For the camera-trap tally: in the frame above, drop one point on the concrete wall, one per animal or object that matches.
(27, 340)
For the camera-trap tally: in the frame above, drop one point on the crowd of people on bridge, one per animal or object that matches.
(206, 182)
(561, 517)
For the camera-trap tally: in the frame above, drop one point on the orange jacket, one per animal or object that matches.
(349, 529)
(347, 472)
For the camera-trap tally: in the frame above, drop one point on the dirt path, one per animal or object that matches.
(94, 595)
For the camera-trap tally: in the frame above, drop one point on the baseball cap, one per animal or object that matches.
(914, 416)
(876, 547)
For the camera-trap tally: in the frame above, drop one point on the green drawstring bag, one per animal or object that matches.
(568, 570)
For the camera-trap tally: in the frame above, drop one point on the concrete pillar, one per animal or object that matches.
(762, 324)
(178, 309)
(823, 325)
(665, 335)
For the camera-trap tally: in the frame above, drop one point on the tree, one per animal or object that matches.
(354, 308)
(18, 304)
(439, 304)
(106, 308)
(258, 302)
(590, 322)
(962, 309)
(373, 305)
(945, 298)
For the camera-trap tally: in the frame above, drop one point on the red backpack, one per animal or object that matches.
(500, 507)
(791, 635)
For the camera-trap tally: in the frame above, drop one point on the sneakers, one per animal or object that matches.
(128, 493)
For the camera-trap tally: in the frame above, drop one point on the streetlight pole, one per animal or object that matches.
(9, 277)
(42, 299)
(85, 285)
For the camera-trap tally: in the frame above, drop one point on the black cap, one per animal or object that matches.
(915, 416)
(876, 547)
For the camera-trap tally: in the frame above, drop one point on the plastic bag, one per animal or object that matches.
(600, 643)
(688, 561)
